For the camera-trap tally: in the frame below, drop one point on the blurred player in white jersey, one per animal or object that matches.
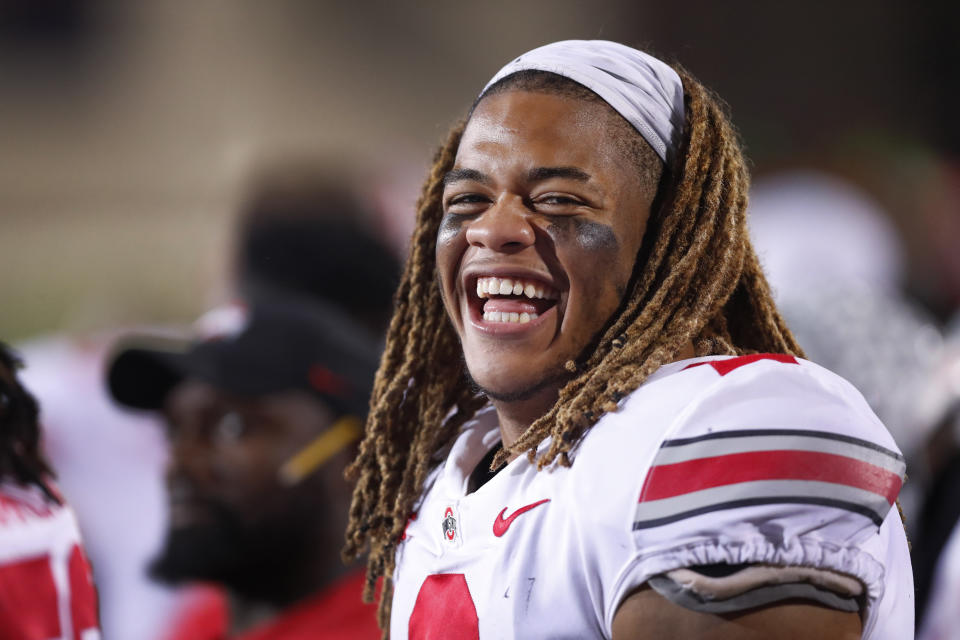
(590, 419)
(46, 588)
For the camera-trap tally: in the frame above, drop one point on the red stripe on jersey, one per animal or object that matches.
(28, 600)
(83, 596)
(669, 480)
(723, 367)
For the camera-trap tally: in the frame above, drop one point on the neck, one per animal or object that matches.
(303, 551)
(293, 574)
(516, 416)
(246, 613)
(285, 584)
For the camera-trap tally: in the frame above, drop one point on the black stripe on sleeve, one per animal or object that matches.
(742, 433)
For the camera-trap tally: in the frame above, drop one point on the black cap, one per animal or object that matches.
(273, 346)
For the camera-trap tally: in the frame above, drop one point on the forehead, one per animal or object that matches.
(194, 394)
(545, 127)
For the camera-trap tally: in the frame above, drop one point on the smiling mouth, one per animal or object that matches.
(513, 300)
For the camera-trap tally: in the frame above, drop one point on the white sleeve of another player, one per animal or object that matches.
(777, 466)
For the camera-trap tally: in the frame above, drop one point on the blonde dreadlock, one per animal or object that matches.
(698, 280)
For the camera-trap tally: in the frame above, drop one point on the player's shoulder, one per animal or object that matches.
(708, 397)
(707, 427)
(24, 503)
(31, 520)
(761, 459)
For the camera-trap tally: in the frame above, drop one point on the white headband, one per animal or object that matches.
(644, 90)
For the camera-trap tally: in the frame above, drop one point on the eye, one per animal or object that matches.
(558, 203)
(466, 203)
(231, 427)
(557, 199)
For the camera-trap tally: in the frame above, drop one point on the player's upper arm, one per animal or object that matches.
(645, 614)
(767, 501)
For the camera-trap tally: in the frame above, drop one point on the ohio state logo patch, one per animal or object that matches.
(449, 525)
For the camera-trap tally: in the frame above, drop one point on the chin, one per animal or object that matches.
(494, 389)
(196, 553)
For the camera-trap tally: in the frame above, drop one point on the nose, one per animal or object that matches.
(504, 227)
(190, 459)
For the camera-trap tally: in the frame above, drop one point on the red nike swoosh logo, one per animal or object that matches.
(500, 524)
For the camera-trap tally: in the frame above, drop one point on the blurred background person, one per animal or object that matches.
(305, 229)
(263, 412)
(46, 589)
(300, 230)
(116, 486)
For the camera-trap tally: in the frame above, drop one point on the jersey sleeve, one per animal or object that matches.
(774, 463)
(46, 584)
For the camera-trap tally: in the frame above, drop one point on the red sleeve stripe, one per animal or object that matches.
(726, 365)
(669, 480)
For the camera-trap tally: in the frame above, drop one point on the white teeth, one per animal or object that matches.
(509, 317)
(487, 287)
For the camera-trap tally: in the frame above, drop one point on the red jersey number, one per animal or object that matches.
(444, 610)
(29, 608)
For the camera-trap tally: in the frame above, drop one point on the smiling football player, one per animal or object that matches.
(590, 420)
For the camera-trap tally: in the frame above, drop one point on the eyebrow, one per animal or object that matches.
(538, 174)
(545, 173)
(459, 175)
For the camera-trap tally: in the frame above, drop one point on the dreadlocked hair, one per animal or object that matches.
(20, 456)
(697, 280)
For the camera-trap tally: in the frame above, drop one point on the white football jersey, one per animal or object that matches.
(755, 459)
